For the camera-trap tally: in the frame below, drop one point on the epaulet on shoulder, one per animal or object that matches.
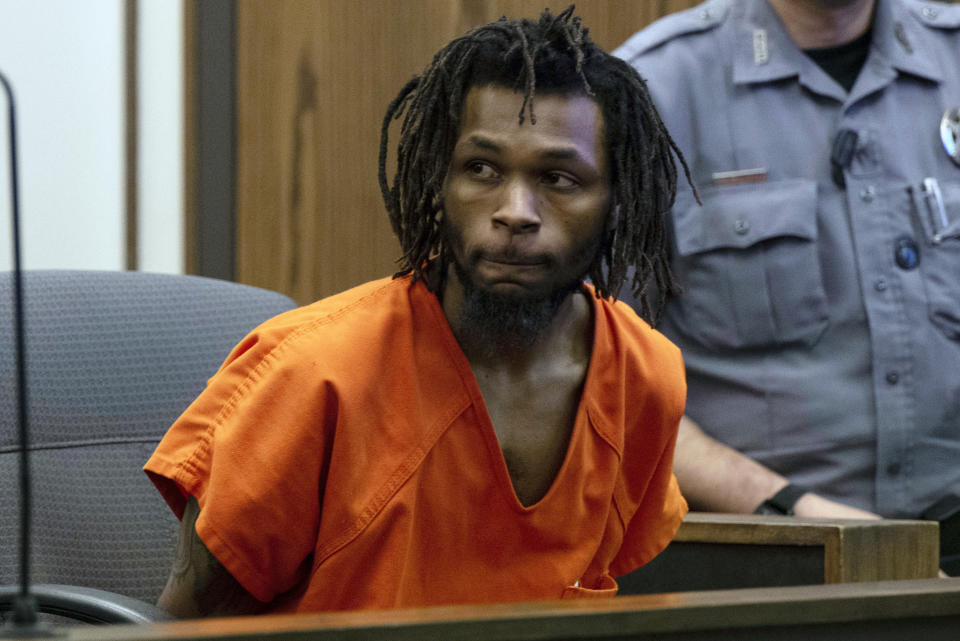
(694, 20)
(940, 15)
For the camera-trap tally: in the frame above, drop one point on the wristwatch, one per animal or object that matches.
(783, 501)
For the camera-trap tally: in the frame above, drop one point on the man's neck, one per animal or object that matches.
(816, 24)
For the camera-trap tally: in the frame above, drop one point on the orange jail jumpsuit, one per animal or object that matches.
(343, 458)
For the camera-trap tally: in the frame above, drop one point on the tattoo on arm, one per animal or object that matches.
(181, 561)
(198, 584)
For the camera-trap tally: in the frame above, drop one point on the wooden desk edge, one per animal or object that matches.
(711, 527)
(585, 619)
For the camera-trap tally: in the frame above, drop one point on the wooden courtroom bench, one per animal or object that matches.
(877, 611)
(721, 551)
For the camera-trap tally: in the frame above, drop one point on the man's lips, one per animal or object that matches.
(514, 260)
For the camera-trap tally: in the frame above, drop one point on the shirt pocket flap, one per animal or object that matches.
(739, 216)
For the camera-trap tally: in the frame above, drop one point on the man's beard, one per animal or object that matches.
(505, 321)
(494, 321)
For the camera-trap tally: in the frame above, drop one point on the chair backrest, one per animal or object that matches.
(113, 359)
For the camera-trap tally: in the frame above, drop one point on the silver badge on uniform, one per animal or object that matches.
(950, 133)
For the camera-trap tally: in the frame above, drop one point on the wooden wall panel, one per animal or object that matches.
(610, 21)
(314, 78)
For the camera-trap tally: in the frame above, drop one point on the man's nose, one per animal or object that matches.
(518, 210)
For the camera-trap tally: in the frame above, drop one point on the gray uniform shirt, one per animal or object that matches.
(809, 346)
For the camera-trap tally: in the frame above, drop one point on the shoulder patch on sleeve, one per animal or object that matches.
(937, 14)
(700, 18)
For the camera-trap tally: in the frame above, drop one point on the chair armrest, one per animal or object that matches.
(87, 605)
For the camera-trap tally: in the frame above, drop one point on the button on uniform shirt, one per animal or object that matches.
(820, 324)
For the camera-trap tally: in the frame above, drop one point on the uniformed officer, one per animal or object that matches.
(820, 317)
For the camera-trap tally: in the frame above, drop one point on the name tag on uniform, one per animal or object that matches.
(739, 177)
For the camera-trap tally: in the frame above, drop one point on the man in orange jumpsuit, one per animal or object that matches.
(483, 426)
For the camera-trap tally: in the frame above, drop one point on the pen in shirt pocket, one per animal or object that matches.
(938, 212)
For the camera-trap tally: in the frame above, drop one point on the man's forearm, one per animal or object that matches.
(716, 478)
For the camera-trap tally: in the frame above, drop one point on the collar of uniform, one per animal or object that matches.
(893, 26)
(900, 43)
(783, 58)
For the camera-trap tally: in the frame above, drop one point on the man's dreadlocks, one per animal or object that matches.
(553, 56)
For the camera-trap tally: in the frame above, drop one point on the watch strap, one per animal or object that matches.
(783, 501)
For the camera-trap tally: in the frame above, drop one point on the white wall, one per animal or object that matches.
(160, 157)
(65, 60)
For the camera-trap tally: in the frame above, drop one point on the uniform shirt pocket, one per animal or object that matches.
(940, 258)
(748, 263)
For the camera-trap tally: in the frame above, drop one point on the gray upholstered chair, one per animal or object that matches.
(113, 359)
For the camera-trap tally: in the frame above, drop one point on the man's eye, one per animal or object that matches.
(560, 181)
(481, 171)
